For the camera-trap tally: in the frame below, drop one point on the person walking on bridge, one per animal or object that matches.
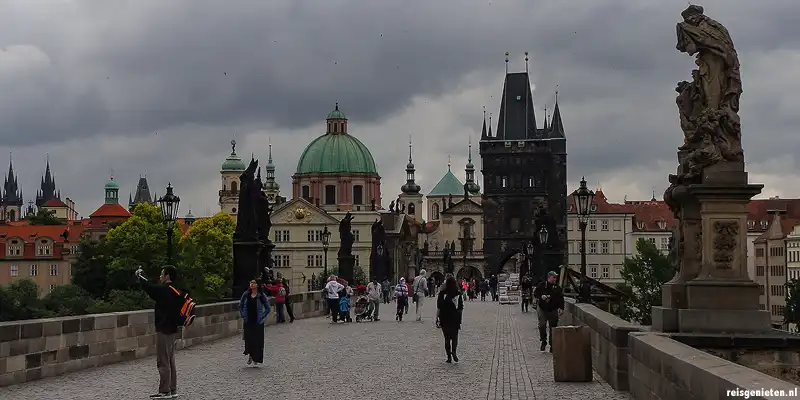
(551, 305)
(420, 287)
(449, 307)
(401, 295)
(254, 308)
(374, 295)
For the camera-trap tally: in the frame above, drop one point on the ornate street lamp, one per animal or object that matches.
(326, 242)
(543, 235)
(583, 198)
(169, 210)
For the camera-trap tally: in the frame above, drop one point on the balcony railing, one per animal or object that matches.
(455, 254)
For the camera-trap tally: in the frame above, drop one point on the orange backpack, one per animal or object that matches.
(186, 314)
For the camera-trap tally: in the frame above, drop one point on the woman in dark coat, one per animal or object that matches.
(254, 308)
(449, 307)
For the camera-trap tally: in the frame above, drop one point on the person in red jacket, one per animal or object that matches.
(279, 293)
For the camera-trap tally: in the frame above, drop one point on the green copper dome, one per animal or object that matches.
(336, 114)
(233, 162)
(112, 184)
(336, 153)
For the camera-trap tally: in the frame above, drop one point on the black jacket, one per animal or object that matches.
(168, 304)
(450, 310)
(556, 300)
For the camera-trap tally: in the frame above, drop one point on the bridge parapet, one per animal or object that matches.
(653, 365)
(35, 349)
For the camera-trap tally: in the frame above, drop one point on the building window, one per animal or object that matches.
(234, 187)
(640, 225)
(306, 192)
(34, 270)
(52, 287)
(760, 270)
(751, 224)
(435, 211)
(315, 235)
(15, 248)
(604, 225)
(605, 272)
(593, 271)
(662, 225)
(592, 247)
(356, 235)
(282, 235)
(330, 195)
(593, 225)
(604, 247)
(358, 194)
(53, 269)
(764, 224)
(664, 243)
(356, 261)
(760, 252)
(652, 240)
(14, 270)
(74, 249)
(318, 260)
(504, 182)
(310, 261)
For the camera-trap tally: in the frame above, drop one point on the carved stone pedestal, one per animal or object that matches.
(712, 292)
(346, 263)
(245, 266)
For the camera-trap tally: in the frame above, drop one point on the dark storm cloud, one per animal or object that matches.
(201, 72)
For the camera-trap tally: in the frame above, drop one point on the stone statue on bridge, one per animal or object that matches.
(709, 105)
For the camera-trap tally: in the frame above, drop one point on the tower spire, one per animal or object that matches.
(556, 125)
(411, 186)
(528, 80)
(449, 162)
(505, 100)
(483, 131)
(490, 124)
(470, 187)
(545, 116)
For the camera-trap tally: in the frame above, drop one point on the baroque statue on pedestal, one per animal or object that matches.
(709, 104)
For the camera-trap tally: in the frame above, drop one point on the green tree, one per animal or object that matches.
(358, 276)
(207, 257)
(68, 300)
(44, 217)
(121, 300)
(139, 241)
(20, 300)
(644, 274)
(791, 313)
(90, 268)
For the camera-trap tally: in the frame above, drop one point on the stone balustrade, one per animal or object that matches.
(656, 366)
(35, 349)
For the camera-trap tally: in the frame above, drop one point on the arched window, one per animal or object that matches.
(411, 208)
(435, 211)
(234, 187)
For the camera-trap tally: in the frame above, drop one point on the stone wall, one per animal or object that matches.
(654, 366)
(609, 340)
(36, 349)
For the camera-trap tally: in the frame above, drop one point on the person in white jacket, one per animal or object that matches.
(420, 286)
(374, 294)
(331, 291)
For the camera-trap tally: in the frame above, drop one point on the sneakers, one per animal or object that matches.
(162, 395)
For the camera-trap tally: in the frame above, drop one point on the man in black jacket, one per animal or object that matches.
(288, 302)
(551, 305)
(167, 308)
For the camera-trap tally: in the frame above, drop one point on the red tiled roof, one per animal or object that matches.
(110, 210)
(54, 202)
(601, 203)
(29, 233)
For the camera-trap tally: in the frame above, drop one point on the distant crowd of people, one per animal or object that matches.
(173, 308)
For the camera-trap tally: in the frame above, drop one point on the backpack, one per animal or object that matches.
(186, 313)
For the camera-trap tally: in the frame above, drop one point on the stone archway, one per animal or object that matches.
(469, 272)
(499, 263)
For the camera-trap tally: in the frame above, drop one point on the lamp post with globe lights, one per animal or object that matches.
(169, 210)
(583, 199)
(326, 242)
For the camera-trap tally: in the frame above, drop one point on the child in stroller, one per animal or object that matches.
(364, 309)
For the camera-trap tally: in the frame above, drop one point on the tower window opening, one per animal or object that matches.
(330, 195)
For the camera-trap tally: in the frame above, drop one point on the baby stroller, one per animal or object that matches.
(364, 309)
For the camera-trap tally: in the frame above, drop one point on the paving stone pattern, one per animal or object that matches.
(312, 359)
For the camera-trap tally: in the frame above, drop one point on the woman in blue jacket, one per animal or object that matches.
(254, 308)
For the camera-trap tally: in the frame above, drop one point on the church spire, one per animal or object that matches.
(411, 186)
(556, 126)
(270, 186)
(484, 135)
(470, 184)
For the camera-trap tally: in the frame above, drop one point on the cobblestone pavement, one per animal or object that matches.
(313, 359)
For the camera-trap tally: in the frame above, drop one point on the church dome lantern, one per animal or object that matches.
(233, 162)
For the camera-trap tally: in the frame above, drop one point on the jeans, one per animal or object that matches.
(547, 318)
(420, 303)
(279, 310)
(386, 298)
(333, 308)
(290, 312)
(165, 361)
(377, 304)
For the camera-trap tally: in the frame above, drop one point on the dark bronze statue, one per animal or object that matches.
(246, 228)
(346, 236)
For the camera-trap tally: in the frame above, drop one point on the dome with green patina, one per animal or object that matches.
(233, 162)
(189, 215)
(112, 184)
(336, 152)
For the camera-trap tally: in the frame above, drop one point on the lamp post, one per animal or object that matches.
(529, 249)
(583, 198)
(543, 235)
(326, 241)
(169, 210)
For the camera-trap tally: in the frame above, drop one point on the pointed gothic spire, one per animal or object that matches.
(411, 186)
(484, 135)
(490, 125)
(556, 126)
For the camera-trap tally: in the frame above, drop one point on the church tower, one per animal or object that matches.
(473, 189)
(12, 197)
(47, 189)
(524, 180)
(232, 169)
(271, 188)
(411, 196)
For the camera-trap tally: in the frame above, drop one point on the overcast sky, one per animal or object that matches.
(161, 87)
